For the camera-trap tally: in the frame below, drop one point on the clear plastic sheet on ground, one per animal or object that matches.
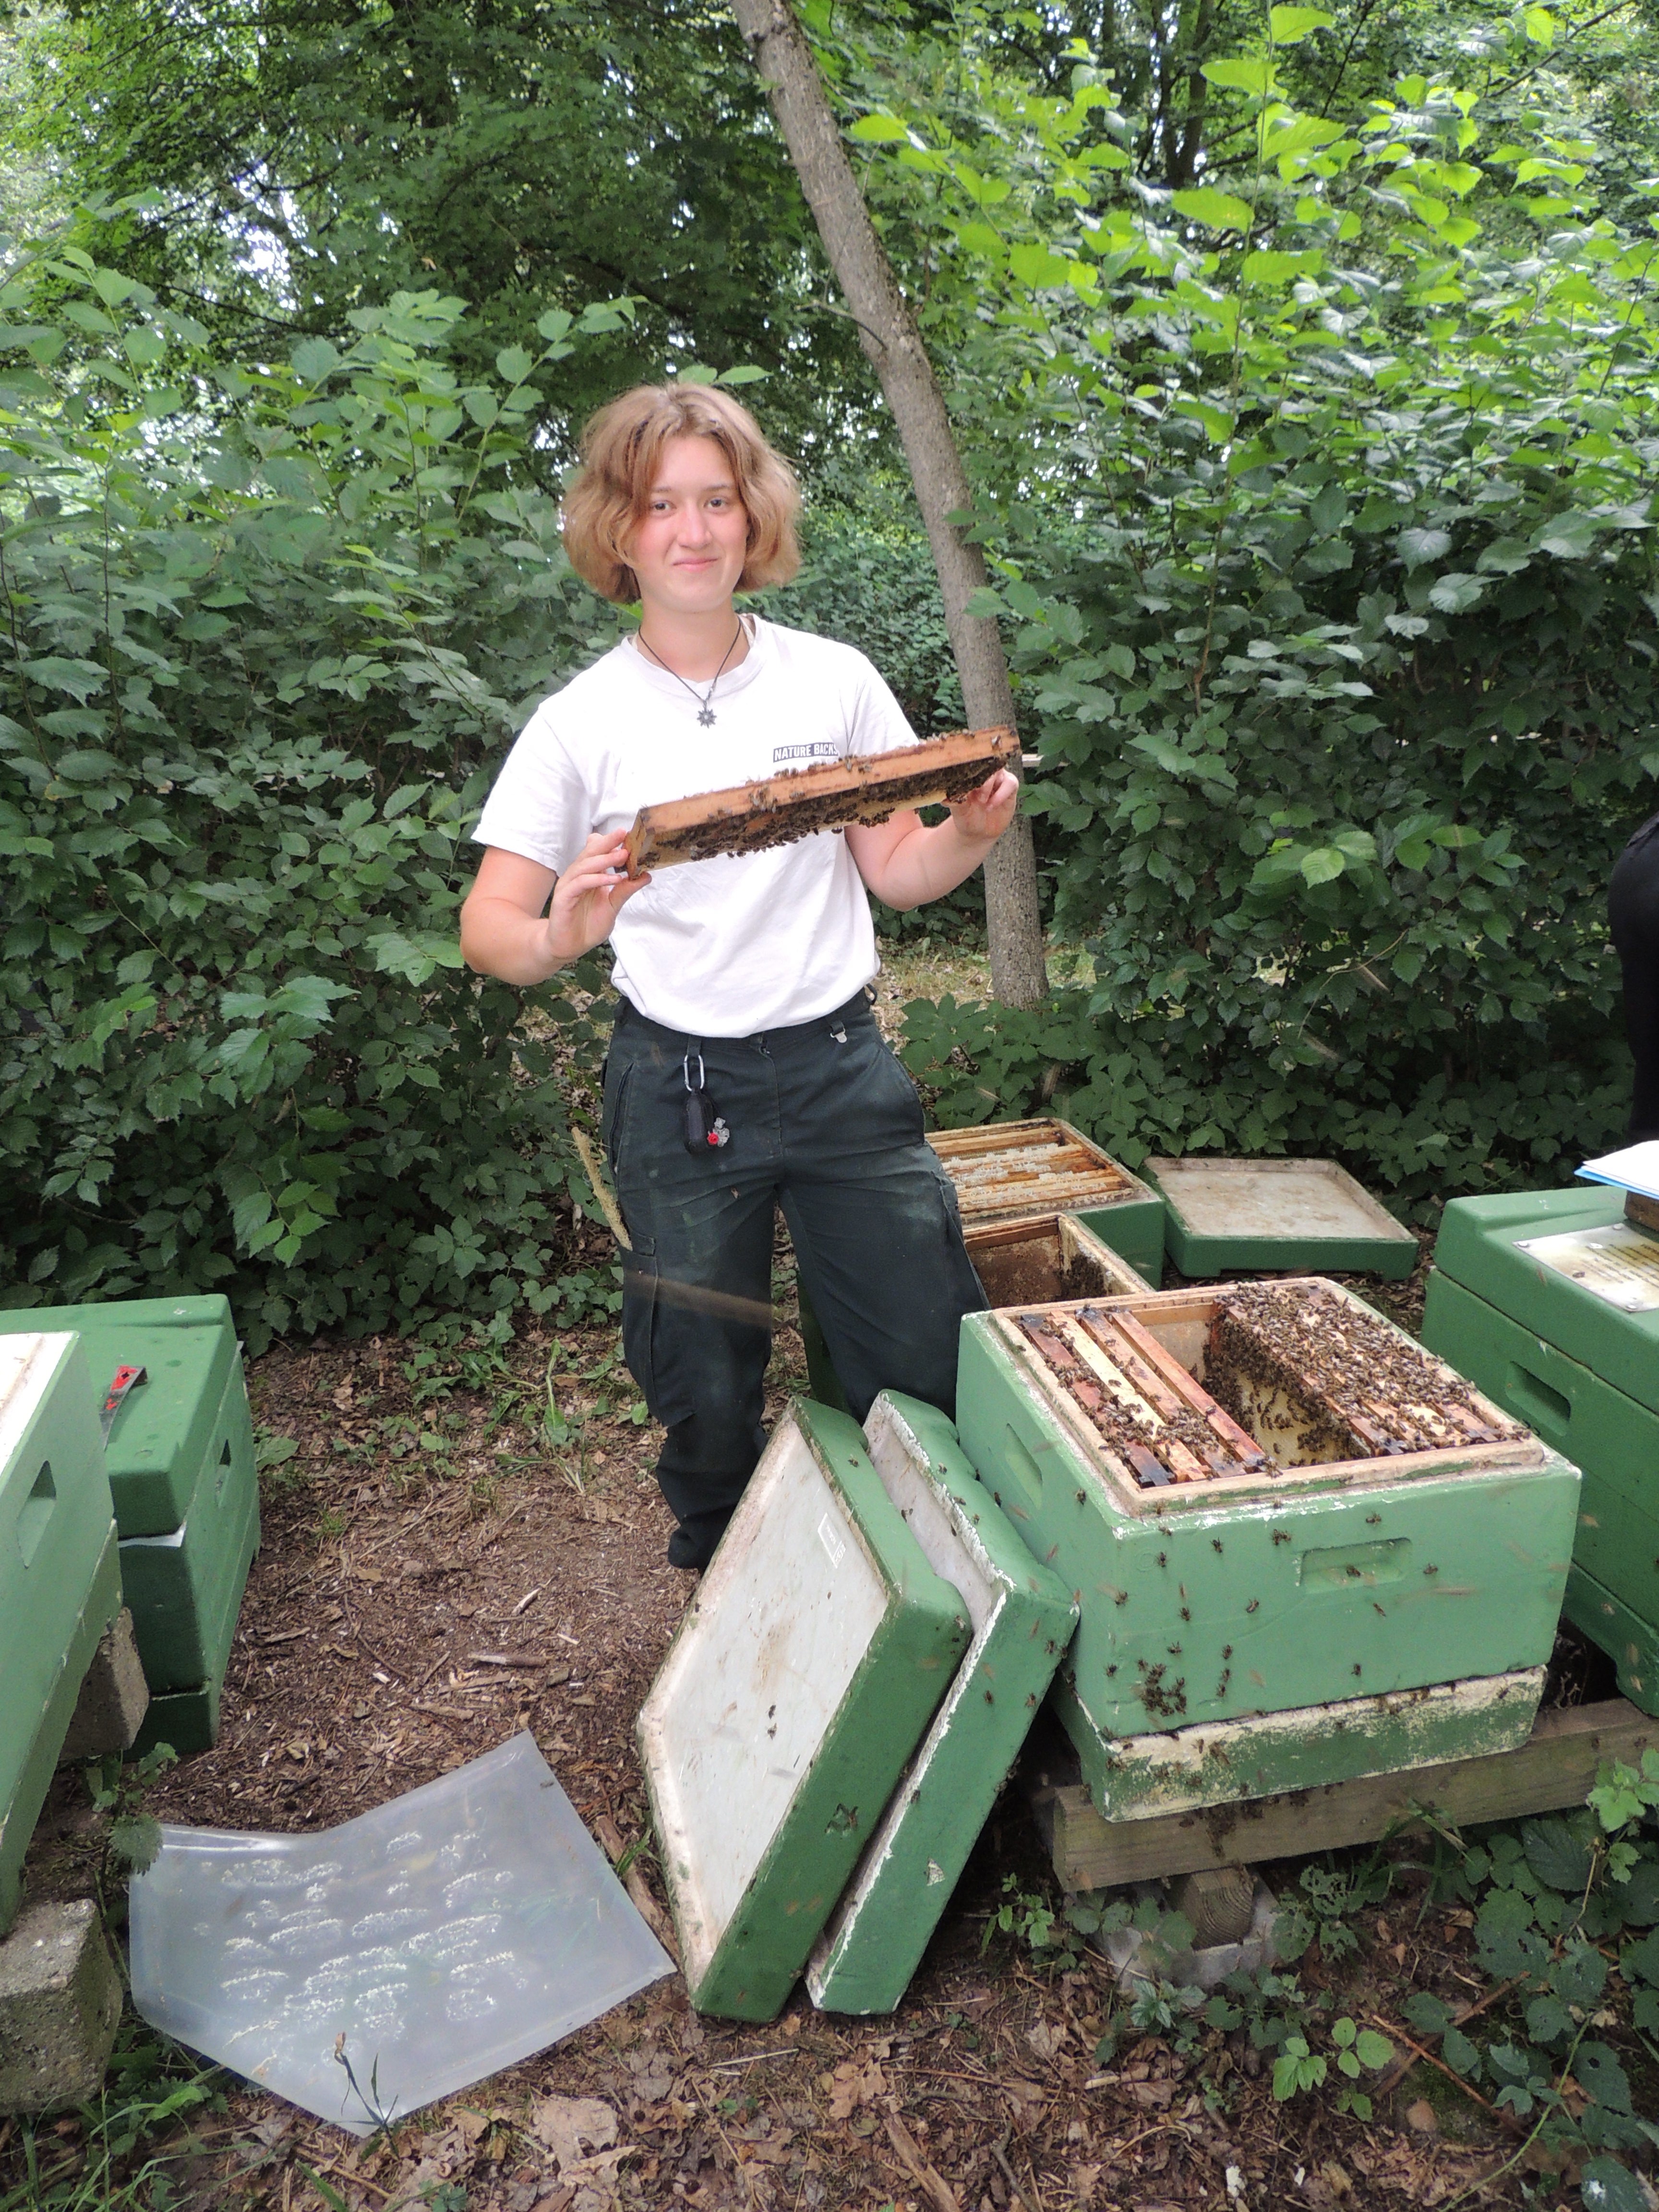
(444, 1935)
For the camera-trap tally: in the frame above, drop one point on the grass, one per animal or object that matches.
(119, 2154)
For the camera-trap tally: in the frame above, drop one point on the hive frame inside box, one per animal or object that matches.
(1022, 1619)
(1185, 1554)
(1181, 1321)
(1125, 1212)
(800, 1680)
(1370, 1239)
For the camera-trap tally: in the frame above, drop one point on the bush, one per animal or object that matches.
(1346, 669)
(267, 637)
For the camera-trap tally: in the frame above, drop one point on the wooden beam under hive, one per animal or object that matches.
(778, 809)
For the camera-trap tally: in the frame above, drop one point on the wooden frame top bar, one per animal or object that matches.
(778, 809)
(1005, 1169)
(1163, 1308)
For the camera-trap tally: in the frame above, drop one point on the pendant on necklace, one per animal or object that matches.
(706, 718)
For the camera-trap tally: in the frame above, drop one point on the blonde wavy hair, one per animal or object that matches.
(621, 448)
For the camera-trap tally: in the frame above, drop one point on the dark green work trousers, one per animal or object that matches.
(825, 1123)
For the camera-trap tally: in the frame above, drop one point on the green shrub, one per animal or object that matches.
(265, 639)
(1345, 668)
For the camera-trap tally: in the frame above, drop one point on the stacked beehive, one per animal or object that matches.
(1302, 1547)
(1550, 1301)
(180, 1457)
(60, 1580)
(1015, 1170)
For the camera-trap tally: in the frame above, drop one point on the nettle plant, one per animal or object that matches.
(1567, 1930)
(1344, 660)
(262, 639)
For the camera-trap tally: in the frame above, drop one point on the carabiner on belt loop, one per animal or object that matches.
(705, 1128)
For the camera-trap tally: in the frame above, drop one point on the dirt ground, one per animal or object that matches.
(434, 1575)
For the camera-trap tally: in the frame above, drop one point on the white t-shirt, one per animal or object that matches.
(742, 943)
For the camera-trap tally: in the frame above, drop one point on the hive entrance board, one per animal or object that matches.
(1180, 1397)
(1045, 1258)
(777, 810)
(807, 1669)
(1276, 1213)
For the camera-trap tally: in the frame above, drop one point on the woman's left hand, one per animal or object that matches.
(989, 809)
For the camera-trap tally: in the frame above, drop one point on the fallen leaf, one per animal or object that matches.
(1028, 2099)
(1153, 2096)
(1047, 2039)
(564, 2123)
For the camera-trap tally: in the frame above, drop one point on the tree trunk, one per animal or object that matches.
(889, 335)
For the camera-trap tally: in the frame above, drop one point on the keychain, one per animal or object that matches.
(705, 1129)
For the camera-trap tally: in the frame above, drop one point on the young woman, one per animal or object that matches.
(745, 1071)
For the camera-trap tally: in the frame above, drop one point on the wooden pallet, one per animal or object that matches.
(779, 809)
(1555, 1768)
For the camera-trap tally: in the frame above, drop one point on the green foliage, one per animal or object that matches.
(1623, 1795)
(1346, 658)
(1562, 1906)
(1346, 665)
(262, 639)
(118, 1788)
(546, 155)
(1326, 1895)
(1024, 1916)
(134, 2134)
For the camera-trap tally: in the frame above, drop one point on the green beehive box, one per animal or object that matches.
(1528, 1327)
(185, 1587)
(60, 1581)
(1480, 1246)
(1022, 1619)
(1010, 1171)
(805, 1670)
(186, 1721)
(1424, 1551)
(181, 1472)
(1305, 1215)
(169, 1428)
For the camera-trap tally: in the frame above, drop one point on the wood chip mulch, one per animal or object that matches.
(434, 1576)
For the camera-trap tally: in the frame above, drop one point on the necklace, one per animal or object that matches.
(705, 712)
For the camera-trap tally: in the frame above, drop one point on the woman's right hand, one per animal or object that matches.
(588, 897)
(509, 930)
